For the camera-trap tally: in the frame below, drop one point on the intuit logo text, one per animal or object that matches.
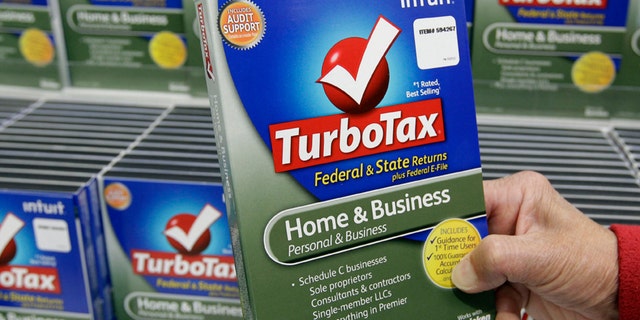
(423, 3)
(42, 207)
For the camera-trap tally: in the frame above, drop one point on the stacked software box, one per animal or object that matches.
(631, 49)
(125, 45)
(30, 54)
(167, 234)
(628, 78)
(557, 58)
(53, 263)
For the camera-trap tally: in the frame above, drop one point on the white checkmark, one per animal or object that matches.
(208, 215)
(384, 33)
(8, 229)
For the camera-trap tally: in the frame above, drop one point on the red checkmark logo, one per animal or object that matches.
(189, 234)
(8, 230)
(355, 73)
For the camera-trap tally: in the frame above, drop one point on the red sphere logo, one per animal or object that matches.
(184, 222)
(188, 233)
(9, 228)
(355, 72)
(8, 253)
(348, 53)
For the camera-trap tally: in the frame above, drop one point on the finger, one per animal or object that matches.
(513, 198)
(509, 302)
(502, 202)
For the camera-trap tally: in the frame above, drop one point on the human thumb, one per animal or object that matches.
(496, 260)
(464, 276)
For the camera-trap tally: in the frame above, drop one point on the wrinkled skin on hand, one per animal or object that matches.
(542, 254)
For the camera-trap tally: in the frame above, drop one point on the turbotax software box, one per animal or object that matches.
(348, 142)
(549, 58)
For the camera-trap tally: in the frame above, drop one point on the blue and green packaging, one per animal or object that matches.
(557, 58)
(125, 44)
(31, 50)
(166, 230)
(348, 145)
(48, 264)
(51, 237)
(628, 79)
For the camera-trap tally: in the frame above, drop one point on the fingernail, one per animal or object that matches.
(464, 277)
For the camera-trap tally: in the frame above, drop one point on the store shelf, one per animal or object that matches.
(59, 146)
(583, 160)
(179, 147)
(10, 109)
(630, 143)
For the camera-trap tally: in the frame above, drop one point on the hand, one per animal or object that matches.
(542, 254)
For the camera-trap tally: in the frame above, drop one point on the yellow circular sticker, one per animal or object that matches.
(241, 23)
(36, 47)
(117, 196)
(593, 72)
(167, 50)
(447, 243)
